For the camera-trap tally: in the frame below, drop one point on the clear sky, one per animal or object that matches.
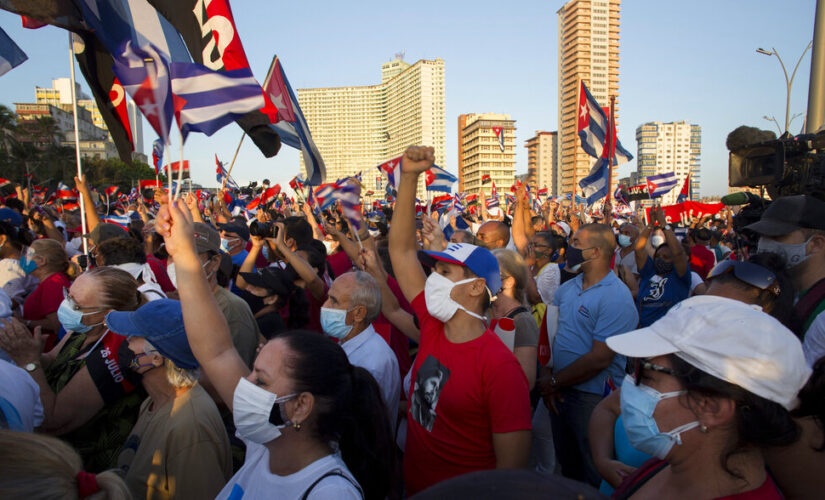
(693, 61)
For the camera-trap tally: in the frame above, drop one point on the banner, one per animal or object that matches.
(691, 209)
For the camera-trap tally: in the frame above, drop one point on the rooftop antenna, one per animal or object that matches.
(399, 56)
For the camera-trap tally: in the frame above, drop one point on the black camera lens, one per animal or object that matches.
(262, 229)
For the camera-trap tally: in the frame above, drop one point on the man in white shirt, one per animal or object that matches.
(353, 302)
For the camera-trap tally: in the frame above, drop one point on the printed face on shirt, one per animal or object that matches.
(430, 380)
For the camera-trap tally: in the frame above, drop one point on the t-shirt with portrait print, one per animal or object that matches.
(460, 395)
(657, 294)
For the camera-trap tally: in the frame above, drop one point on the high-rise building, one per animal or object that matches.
(670, 147)
(589, 52)
(480, 152)
(358, 128)
(136, 124)
(542, 161)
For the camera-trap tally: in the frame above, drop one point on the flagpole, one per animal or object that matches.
(232, 164)
(180, 166)
(77, 146)
(612, 134)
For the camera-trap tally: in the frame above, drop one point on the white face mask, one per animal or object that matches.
(253, 411)
(437, 297)
(331, 246)
(657, 240)
(170, 271)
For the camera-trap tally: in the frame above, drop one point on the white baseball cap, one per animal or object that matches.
(726, 338)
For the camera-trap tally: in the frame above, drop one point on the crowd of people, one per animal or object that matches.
(202, 352)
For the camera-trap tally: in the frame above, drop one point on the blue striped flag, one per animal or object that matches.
(438, 179)
(11, 55)
(207, 100)
(657, 185)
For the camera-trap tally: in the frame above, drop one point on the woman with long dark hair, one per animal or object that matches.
(311, 421)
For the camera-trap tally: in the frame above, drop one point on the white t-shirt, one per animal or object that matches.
(629, 261)
(254, 480)
(814, 345)
(23, 393)
(695, 280)
(548, 281)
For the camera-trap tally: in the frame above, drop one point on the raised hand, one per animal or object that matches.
(174, 224)
(432, 234)
(417, 159)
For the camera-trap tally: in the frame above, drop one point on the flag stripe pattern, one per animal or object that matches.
(657, 185)
(438, 179)
(11, 55)
(592, 128)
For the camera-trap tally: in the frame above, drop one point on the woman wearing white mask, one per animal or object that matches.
(712, 388)
(312, 422)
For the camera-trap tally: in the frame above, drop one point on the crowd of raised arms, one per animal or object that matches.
(195, 352)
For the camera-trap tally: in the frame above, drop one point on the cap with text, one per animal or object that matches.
(479, 260)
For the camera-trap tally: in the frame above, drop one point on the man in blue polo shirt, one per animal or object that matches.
(592, 307)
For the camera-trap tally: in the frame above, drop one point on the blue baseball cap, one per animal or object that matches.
(479, 260)
(161, 323)
(13, 217)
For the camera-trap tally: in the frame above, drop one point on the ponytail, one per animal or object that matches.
(368, 449)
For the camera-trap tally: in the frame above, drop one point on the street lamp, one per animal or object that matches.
(788, 81)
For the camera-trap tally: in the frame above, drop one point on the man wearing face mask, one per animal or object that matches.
(794, 227)
(592, 307)
(178, 447)
(664, 279)
(477, 415)
(242, 324)
(628, 233)
(234, 236)
(353, 303)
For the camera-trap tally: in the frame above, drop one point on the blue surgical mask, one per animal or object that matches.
(27, 263)
(334, 322)
(624, 240)
(794, 254)
(72, 319)
(225, 244)
(265, 251)
(638, 404)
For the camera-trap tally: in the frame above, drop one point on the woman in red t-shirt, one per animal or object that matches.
(52, 263)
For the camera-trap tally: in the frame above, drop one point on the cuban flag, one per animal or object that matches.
(11, 55)
(119, 220)
(458, 205)
(592, 128)
(685, 194)
(291, 125)
(657, 185)
(144, 74)
(492, 203)
(542, 192)
(392, 169)
(500, 134)
(438, 179)
(157, 155)
(485, 179)
(620, 196)
(207, 100)
(349, 197)
(297, 183)
(220, 173)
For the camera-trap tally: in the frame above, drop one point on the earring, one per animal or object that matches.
(297, 426)
(703, 429)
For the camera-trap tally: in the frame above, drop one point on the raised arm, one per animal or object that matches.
(92, 219)
(390, 308)
(192, 204)
(248, 264)
(640, 248)
(402, 244)
(302, 267)
(520, 223)
(206, 327)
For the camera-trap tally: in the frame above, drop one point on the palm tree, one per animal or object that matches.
(8, 126)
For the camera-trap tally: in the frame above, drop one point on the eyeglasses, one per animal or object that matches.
(74, 305)
(752, 274)
(642, 364)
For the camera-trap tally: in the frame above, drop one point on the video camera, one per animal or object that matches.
(785, 166)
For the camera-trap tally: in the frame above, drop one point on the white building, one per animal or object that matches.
(542, 161)
(670, 147)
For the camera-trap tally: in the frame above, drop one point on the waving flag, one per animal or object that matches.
(220, 174)
(11, 55)
(471, 199)
(209, 31)
(392, 169)
(542, 192)
(657, 185)
(458, 206)
(685, 194)
(157, 155)
(620, 195)
(175, 167)
(207, 100)
(144, 73)
(441, 203)
(500, 134)
(111, 191)
(297, 183)
(290, 123)
(492, 203)
(438, 179)
(350, 200)
(485, 179)
(119, 220)
(592, 128)
(147, 184)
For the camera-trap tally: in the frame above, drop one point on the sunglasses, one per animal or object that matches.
(639, 365)
(752, 274)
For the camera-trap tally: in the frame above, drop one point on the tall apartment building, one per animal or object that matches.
(358, 128)
(480, 153)
(60, 95)
(670, 147)
(588, 51)
(542, 161)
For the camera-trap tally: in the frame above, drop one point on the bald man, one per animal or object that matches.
(493, 234)
(592, 306)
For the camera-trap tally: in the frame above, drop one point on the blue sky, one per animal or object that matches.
(693, 61)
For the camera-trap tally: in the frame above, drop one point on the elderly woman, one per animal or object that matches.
(713, 385)
(87, 393)
(178, 447)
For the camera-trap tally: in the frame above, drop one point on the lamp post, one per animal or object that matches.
(788, 81)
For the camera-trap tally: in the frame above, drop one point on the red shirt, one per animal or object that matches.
(395, 338)
(159, 269)
(339, 263)
(46, 298)
(701, 260)
(461, 394)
